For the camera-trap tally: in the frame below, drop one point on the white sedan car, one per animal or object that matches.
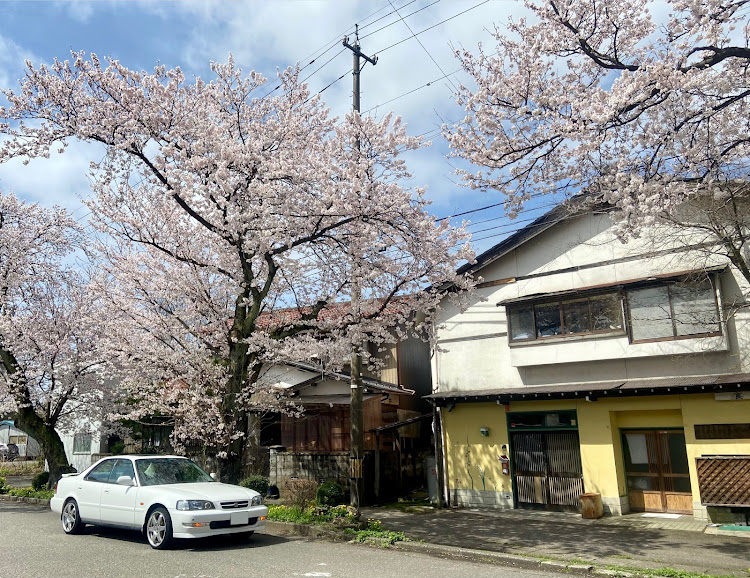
(164, 497)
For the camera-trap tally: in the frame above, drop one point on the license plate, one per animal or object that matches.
(239, 518)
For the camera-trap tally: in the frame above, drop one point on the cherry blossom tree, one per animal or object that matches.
(238, 231)
(649, 111)
(51, 375)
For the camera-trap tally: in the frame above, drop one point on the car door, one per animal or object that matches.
(118, 501)
(89, 490)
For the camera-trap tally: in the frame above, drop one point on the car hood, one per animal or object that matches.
(213, 491)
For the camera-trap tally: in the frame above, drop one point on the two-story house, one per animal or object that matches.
(584, 364)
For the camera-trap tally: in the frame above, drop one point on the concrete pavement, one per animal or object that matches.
(550, 541)
(624, 542)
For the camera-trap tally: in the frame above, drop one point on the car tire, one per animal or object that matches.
(159, 529)
(71, 517)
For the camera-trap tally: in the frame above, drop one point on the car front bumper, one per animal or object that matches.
(199, 523)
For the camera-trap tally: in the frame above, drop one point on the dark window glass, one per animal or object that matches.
(547, 320)
(678, 453)
(643, 483)
(599, 313)
(521, 323)
(122, 468)
(576, 317)
(606, 312)
(682, 485)
(155, 471)
(101, 472)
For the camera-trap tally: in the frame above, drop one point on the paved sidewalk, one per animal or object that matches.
(627, 541)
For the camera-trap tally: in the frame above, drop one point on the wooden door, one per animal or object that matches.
(656, 468)
(547, 469)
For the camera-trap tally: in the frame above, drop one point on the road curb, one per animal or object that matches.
(306, 530)
(32, 501)
(452, 552)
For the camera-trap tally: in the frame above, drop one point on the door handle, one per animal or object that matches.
(106, 491)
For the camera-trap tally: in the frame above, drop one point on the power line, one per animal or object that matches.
(334, 42)
(386, 16)
(414, 35)
(430, 83)
(424, 48)
(396, 21)
(433, 26)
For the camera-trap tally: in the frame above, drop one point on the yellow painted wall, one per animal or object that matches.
(464, 442)
(704, 409)
(599, 425)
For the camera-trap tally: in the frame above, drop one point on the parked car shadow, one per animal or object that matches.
(207, 544)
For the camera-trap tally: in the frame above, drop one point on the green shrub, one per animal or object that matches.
(337, 515)
(40, 481)
(117, 448)
(31, 493)
(3, 486)
(329, 494)
(257, 483)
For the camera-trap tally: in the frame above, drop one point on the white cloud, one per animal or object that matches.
(12, 57)
(77, 10)
(61, 179)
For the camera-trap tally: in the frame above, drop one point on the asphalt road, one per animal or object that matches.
(33, 545)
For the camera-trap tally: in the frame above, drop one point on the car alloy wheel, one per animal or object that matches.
(71, 521)
(159, 529)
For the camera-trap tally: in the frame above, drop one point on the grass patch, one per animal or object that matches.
(30, 493)
(335, 515)
(376, 531)
(665, 572)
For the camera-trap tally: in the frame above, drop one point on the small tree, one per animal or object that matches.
(49, 331)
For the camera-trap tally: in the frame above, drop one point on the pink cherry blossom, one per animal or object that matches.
(218, 209)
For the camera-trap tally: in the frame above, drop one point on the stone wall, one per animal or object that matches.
(332, 466)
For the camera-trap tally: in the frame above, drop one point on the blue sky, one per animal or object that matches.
(264, 36)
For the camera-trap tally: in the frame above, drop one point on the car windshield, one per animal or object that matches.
(154, 471)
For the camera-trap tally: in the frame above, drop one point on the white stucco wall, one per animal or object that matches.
(473, 349)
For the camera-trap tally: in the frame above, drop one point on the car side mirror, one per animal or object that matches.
(213, 476)
(125, 481)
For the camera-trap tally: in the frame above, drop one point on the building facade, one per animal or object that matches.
(584, 364)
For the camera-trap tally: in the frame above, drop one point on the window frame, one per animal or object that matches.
(533, 304)
(674, 337)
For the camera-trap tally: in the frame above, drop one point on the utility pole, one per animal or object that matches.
(356, 421)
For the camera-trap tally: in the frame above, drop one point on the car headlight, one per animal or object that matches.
(194, 505)
(256, 501)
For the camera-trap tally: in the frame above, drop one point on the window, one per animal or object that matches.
(600, 313)
(122, 468)
(20, 440)
(101, 472)
(82, 443)
(682, 309)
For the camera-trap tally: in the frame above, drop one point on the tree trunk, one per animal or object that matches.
(235, 417)
(49, 440)
(30, 421)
